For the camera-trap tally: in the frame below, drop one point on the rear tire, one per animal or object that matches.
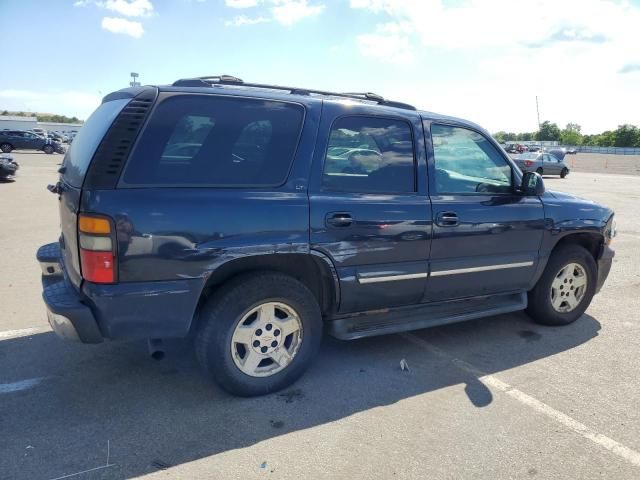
(566, 287)
(6, 148)
(48, 149)
(250, 323)
(539, 171)
(564, 173)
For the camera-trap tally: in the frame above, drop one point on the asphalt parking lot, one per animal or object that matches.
(497, 398)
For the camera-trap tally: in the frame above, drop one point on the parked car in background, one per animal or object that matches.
(39, 131)
(543, 163)
(25, 140)
(572, 151)
(534, 148)
(8, 166)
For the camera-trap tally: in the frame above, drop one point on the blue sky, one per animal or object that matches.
(484, 60)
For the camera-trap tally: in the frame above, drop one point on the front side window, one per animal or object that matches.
(207, 140)
(466, 162)
(369, 155)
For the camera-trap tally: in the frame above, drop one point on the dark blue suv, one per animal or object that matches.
(253, 217)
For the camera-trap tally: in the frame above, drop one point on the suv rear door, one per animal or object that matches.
(486, 236)
(368, 211)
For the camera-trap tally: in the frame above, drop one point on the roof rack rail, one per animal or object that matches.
(209, 81)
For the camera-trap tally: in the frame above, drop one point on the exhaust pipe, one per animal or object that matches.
(156, 349)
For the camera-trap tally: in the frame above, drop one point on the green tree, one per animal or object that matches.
(548, 131)
(626, 136)
(526, 136)
(4, 112)
(571, 134)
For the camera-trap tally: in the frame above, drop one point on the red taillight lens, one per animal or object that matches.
(97, 267)
(528, 163)
(96, 239)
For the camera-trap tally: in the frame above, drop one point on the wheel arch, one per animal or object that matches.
(314, 270)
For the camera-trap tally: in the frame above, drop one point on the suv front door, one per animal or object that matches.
(486, 236)
(369, 212)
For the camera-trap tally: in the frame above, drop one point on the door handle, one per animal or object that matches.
(447, 219)
(339, 219)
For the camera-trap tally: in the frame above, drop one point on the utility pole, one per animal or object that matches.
(134, 83)
(538, 111)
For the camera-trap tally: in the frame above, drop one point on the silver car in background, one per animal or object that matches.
(544, 163)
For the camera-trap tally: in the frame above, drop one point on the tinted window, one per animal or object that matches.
(207, 140)
(466, 162)
(79, 155)
(369, 155)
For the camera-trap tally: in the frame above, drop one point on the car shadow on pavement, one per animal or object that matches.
(70, 400)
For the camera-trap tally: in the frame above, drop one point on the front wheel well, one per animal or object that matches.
(313, 272)
(592, 242)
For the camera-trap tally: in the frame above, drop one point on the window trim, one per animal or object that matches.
(365, 115)
(514, 176)
(164, 96)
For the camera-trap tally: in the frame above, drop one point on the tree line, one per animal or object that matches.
(44, 117)
(624, 136)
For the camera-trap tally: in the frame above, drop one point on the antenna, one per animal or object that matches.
(538, 111)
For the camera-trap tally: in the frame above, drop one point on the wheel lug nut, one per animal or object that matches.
(256, 343)
(274, 344)
(258, 332)
(264, 349)
(276, 332)
(268, 327)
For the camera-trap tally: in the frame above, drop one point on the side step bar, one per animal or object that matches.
(415, 317)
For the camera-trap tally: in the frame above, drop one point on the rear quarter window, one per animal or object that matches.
(85, 143)
(196, 140)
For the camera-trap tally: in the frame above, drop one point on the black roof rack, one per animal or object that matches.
(212, 80)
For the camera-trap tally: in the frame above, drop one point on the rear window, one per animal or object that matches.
(84, 145)
(206, 140)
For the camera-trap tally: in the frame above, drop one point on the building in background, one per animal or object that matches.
(15, 122)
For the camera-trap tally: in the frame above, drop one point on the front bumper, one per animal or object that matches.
(605, 259)
(68, 315)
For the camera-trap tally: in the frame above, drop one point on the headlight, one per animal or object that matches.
(610, 231)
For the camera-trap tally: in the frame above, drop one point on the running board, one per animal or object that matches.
(415, 317)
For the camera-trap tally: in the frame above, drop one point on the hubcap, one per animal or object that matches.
(568, 288)
(266, 339)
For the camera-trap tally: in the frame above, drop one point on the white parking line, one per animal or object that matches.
(23, 332)
(617, 448)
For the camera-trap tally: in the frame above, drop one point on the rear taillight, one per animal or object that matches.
(96, 240)
(528, 163)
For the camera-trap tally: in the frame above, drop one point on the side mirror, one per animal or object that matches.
(532, 184)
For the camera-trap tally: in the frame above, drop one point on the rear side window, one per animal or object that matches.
(369, 155)
(206, 140)
(78, 157)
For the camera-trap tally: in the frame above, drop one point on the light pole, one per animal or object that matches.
(133, 82)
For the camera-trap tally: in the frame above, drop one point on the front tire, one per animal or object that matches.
(259, 333)
(48, 149)
(566, 287)
(6, 148)
(564, 173)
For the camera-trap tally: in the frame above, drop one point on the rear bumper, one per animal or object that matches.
(124, 311)
(605, 259)
(68, 315)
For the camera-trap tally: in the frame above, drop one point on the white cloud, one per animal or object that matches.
(129, 8)
(285, 12)
(573, 54)
(241, 3)
(71, 103)
(123, 26)
(288, 12)
(241, 20)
